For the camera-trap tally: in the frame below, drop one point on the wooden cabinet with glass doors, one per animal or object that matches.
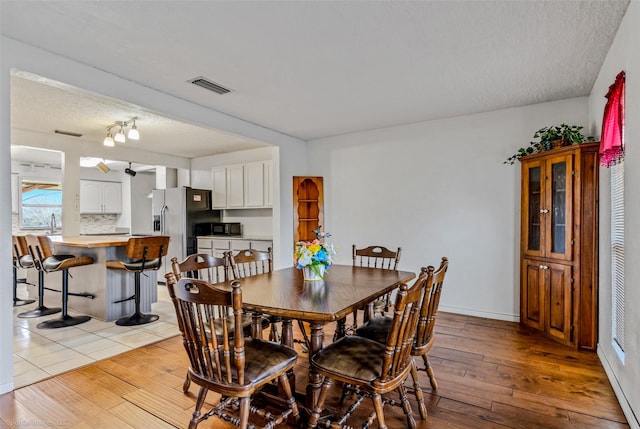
(559, 244)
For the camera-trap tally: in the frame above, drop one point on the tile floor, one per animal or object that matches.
(41, 353)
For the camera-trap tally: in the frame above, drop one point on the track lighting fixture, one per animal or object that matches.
(120, 137)
(130, 172)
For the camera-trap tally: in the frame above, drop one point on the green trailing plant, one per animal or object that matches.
(563, 134)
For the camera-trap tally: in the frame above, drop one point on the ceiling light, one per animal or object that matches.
(120, 137)
(108, 140)
(133, 133)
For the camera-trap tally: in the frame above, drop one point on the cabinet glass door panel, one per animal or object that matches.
(559, 204)
(534, 209)
(531, 217)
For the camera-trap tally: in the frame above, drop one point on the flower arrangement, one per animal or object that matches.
(314, 257)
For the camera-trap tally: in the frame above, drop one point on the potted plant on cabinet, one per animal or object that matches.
(551, 137)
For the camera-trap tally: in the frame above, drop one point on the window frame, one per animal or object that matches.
(21, 206)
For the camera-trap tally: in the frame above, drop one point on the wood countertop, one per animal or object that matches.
(90, 241)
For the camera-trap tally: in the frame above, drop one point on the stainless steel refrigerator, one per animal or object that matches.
(175, 211)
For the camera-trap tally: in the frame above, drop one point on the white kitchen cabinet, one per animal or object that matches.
(217, 246)
(100, 197)
(213, 246)
(235, 186)
(219, 188)
(254, 184)
(242, 186)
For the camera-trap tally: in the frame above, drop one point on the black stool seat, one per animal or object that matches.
(41, 249)
(144, 254)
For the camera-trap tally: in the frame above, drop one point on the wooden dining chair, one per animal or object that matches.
(372, 369)
(213, 270)
(233, 366)
(251, 262)
(202, 266)
(378, 328)
(374, 257)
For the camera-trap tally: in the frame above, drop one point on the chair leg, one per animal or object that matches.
(137, 318)
(319, 406)
(406, 407)
(64, 320)
(186, 384)
(378, 407)
(286, 389)
(41, 310)
(243, 414)
(195, 418)
(418, 391)
(18, 302)
(432, 377)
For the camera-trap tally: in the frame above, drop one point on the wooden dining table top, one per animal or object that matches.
(344, 289)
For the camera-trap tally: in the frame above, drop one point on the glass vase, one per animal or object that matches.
(311, 275)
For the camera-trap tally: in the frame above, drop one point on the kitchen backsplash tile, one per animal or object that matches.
(89, 224)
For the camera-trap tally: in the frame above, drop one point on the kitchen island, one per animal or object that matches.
(106, 285)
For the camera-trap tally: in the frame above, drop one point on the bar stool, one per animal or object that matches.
(21, 259)
(145, 254)
(41, 249)
(26, 257)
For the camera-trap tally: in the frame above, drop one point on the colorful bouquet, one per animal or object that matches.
(315, 255)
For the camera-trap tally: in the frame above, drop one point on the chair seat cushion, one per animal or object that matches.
(136, 265)
(376, 329)
(263, 360)
(61, 262)
(25, 261)
(354, 357)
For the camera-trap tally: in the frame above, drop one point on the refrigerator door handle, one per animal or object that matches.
(163, 219)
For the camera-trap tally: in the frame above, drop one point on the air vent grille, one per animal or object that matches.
(67, 133)
(211, 86)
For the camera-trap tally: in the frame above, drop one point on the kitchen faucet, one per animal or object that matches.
(53, 223)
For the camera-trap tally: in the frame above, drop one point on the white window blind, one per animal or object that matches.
(617, 252)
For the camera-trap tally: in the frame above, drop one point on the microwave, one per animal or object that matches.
(218, 228)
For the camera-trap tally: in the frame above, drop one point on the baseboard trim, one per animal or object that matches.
(484, 314)
(6, 387)
(632, 419)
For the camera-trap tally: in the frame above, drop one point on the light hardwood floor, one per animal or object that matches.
(491, 374)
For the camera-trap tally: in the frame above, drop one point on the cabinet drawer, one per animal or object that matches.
(261, 245)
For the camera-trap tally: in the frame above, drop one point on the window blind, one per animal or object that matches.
(617, 252)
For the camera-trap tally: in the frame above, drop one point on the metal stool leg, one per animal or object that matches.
(137, 318)
(41, 310)
(64, 320)
(18, 302)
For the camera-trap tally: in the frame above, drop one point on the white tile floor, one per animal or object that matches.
(42, 353)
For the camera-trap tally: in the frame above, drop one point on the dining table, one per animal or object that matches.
(343, 290)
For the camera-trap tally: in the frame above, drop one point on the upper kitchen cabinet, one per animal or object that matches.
(100, 197)
(243, 186)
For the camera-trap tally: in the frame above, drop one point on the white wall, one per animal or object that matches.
(438, 189)
(624, 377)
(141, 218)
(17, 56)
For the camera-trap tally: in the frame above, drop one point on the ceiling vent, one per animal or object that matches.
(211, 86)
(67, 133)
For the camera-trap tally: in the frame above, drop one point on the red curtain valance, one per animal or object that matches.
(611, 142)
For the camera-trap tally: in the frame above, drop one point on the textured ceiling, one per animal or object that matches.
(316, 68)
